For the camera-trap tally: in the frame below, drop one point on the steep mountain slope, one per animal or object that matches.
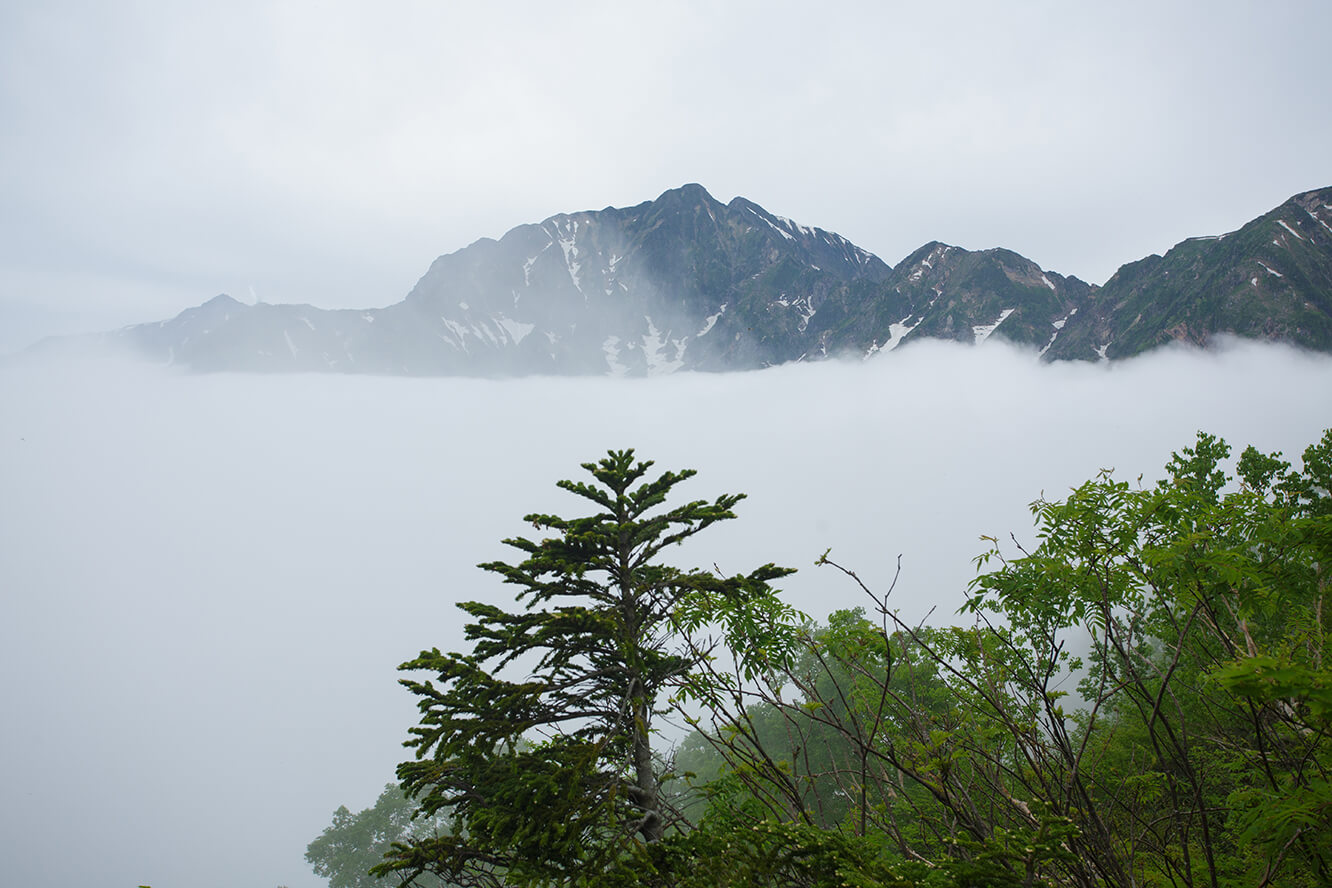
(687, 282)
(1012, 297)
(680, 281)
(1271, 279)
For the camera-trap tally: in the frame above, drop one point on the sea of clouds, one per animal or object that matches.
(209, 580)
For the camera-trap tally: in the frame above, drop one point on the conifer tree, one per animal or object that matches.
(539, 741)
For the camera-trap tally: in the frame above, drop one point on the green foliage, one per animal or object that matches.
(354, 843)
(1199, 751)
(1143, 698)
(783, 854)
(539, 741)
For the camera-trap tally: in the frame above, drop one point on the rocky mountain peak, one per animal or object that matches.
(687, 282)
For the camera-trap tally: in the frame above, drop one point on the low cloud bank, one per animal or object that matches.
(209, 580)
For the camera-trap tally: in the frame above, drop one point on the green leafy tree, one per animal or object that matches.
(1143, 698)
(867, 736)
(1184, 764)
(355, 843)
(539, 741)
(803, 748)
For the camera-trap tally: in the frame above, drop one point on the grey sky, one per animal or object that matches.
(158, 153)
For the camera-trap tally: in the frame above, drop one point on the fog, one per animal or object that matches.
(208, 581)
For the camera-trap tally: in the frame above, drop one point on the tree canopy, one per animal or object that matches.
(1142, 697)
(539, 741)
(355, 843)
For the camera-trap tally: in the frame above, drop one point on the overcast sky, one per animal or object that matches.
(157, 153)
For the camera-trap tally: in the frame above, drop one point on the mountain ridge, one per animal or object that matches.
(1270, 279)
(688, 282)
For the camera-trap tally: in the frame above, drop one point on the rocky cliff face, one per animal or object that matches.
(687, 282)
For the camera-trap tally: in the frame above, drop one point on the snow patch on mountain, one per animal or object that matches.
(1058, 325)
(710, 321)
(571, 260)
(517, 330)
(774, 226)
(1282, 223)
(806, 314)
(898, 331)
(654, 351)
(459, 333)
(611, 349)
(982, 331)
(797, 227)
(928, 262)
(527, 266)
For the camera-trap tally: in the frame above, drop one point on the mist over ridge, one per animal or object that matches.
(211, 578)
(686, 282)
